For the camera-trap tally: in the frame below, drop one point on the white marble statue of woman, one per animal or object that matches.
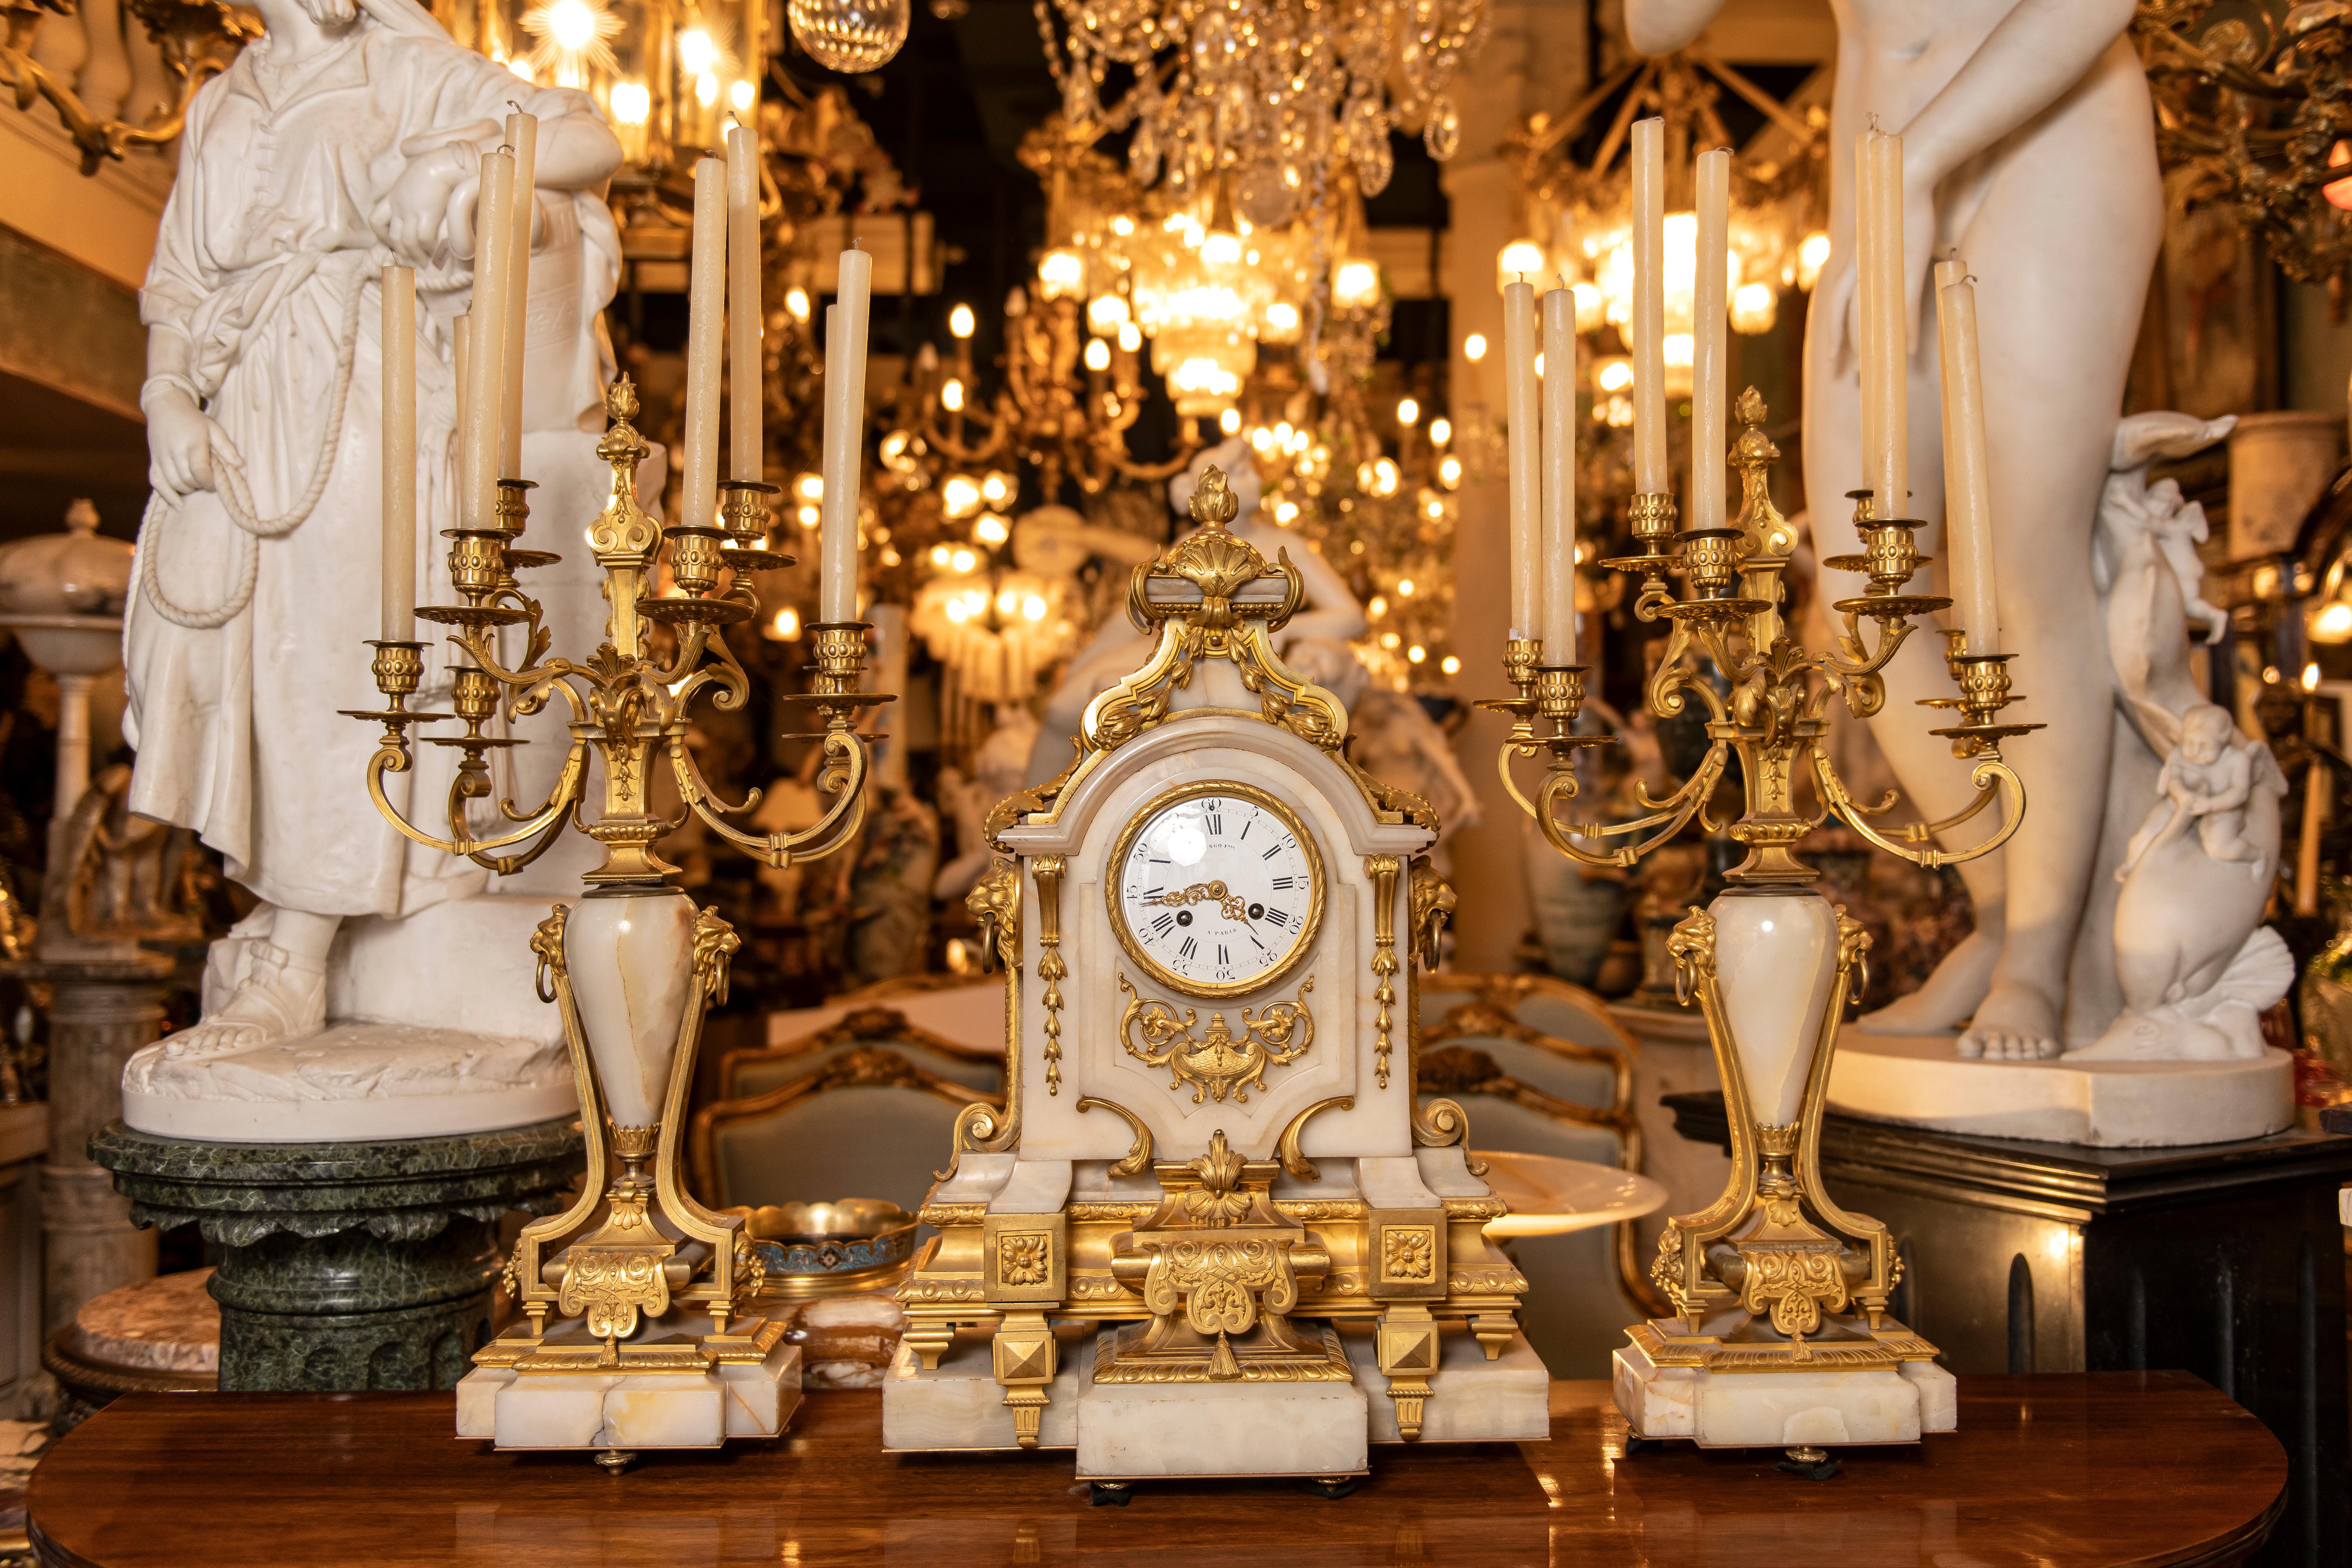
(1117, 648)
(347, 137)
(2029, 147)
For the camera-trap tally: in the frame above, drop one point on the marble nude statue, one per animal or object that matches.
(1116, 648)
(2029, 148)
(2195, 965)
(347, 138)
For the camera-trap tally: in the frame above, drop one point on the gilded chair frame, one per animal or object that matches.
(1444, 1069)
(867, 1067)
(866, 1025)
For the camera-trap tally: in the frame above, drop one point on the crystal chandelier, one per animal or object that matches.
(1576, 217)
(1278, 95)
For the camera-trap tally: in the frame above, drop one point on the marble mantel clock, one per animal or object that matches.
(1211, 1232)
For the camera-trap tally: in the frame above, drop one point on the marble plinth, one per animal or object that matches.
(1784, 1409)
(1920, 1082)
(167, 1324)
(434, 1028)
(1153, 1431)
(960, 1406)
(656, 1410)
(1470, 1399)
(347, 1265)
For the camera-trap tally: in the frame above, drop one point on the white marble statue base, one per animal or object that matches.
(654, 1410)
(961, 1404)
(1784, 1409)
(1920, 1082)
(1135, 1431)
(434, 1030)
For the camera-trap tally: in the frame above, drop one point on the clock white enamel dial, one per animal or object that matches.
(1215, 889)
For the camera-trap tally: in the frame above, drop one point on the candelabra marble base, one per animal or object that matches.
(1921, 1081)
(618, 1413)
(347, 1265)
(1782, 1409)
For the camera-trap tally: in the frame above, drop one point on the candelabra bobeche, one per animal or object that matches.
(636, 1330)
(1773, 1277)
(1228, 1246)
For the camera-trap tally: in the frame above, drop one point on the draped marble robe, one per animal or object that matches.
(268, 262)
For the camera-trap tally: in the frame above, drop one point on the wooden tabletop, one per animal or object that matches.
(2055, 1471)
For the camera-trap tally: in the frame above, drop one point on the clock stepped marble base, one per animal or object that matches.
(1152, 1431)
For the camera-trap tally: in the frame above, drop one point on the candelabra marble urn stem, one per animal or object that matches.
(635, 1277)
(1773, 1277)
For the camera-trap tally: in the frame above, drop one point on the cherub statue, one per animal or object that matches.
(2207, 780)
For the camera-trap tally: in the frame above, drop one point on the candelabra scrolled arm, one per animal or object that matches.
(1666, 818)
(393, 758)
(844, 778)
(1992, 778)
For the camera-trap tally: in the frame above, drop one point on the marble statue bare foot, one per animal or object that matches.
(279, 998)
(1951, 996)
(2015, 1024)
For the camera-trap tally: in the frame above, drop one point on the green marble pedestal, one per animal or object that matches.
(348, 1266)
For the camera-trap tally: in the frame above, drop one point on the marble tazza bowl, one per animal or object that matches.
(837, 1249)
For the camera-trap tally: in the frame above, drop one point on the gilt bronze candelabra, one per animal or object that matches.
(1773, 1276)
(637, 1276)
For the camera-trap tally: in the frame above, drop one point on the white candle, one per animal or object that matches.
(1558, 596)
(1967, 480)
(399, 411)
(745, 460)
(522, 135)
(1710, 346)
(706, 322)
(485, 389)
(1886, 350)
(1520, 427)
(1865, 274)
(844, 434)
(1649, 307)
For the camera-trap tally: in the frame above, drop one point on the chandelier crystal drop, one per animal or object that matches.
(850, 36)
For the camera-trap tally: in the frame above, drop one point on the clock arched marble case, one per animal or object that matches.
(1210, 1156)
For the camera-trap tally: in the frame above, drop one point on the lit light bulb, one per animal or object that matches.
(963, 560)
(1813, 254)
(997, 488)
(810, 487)
(1062, 275)
(787, 626)
(1474, 347)
(797, 300)
(809, 516)
(958, 498)
(1614, 374)
(1450, 665)
(939, 554)
(1592, 308)
(961, 321)
(632, 102)
(1220, 249)
(1230, 421)
(1262, 439)
(1377, 607)
(1754, 307)
(1097, 354)
(1007, 603)
(991, 529)
(1285, 510)
(694, 51)
(571, 24)
(2311, 677)
(1355, 285)
(951, 396)
(706, 88)
(1416, 653)
(1404, 586)
(1522, 260)
(1130, 337)
(1449, 472)
(958, 611)
(2333, 622)
(1441, 431)
(742, 96)
(1105, 312)
(1408, 411)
